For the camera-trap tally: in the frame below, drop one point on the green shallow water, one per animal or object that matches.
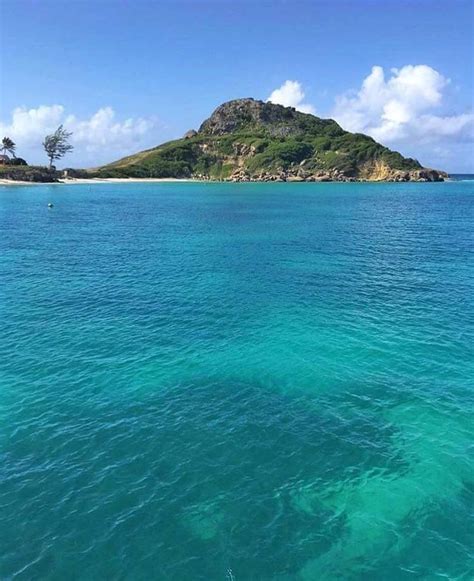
(246, 381)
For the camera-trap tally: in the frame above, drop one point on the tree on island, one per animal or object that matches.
(57, 144)
(8, 145)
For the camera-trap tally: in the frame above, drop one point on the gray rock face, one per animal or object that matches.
(276, 120)
(190, 133)
(428, 175)
(296, 175)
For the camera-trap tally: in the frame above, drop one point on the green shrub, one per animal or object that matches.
(17, 161)
(280, 154)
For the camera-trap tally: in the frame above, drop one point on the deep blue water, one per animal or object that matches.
(238, 381)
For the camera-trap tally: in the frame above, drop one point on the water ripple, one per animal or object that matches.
(273, 379)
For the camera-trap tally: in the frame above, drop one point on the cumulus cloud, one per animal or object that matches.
(97, 139)
(30, 125)
(402, 107)
(291, 94)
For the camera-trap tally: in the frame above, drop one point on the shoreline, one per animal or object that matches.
(82, 181)
(70, 181)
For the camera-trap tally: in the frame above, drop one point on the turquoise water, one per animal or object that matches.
(239, 381)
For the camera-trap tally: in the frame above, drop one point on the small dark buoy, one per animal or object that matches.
(50, 205)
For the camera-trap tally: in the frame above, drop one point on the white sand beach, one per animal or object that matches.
(91, 181)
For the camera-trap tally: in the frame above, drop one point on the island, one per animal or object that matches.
(247, 140)
(250, 140)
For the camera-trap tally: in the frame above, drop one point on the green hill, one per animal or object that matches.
(247, 140)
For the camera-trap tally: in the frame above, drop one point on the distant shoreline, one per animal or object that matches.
(90, 181)
(69, 181)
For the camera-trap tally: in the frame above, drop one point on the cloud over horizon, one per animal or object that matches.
(291, 94)
(402, 107)
(98, 138)
(406, 110)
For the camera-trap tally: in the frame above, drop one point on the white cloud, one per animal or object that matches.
(408, 109)
(30, 125)
(97, 139)
(402, 108)
(291, 94)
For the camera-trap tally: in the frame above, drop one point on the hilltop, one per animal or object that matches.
(250, 140)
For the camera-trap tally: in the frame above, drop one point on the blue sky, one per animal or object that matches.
(125, 75)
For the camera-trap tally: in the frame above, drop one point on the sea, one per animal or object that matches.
(236, 382)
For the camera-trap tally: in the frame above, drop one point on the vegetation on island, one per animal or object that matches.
(252, 140)
(244, 140)
(16, 168)
(28, 173)
(8, 146)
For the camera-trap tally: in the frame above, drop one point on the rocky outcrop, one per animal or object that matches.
(276, 120)
(28, 174)
(381, 172)
(250, 140)
(424, 175)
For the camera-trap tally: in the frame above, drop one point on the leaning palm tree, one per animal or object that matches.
(8, 145)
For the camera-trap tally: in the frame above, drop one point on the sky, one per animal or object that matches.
(125, 75)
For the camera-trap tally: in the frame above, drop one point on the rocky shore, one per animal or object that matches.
(28, 174)
(421, 175)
